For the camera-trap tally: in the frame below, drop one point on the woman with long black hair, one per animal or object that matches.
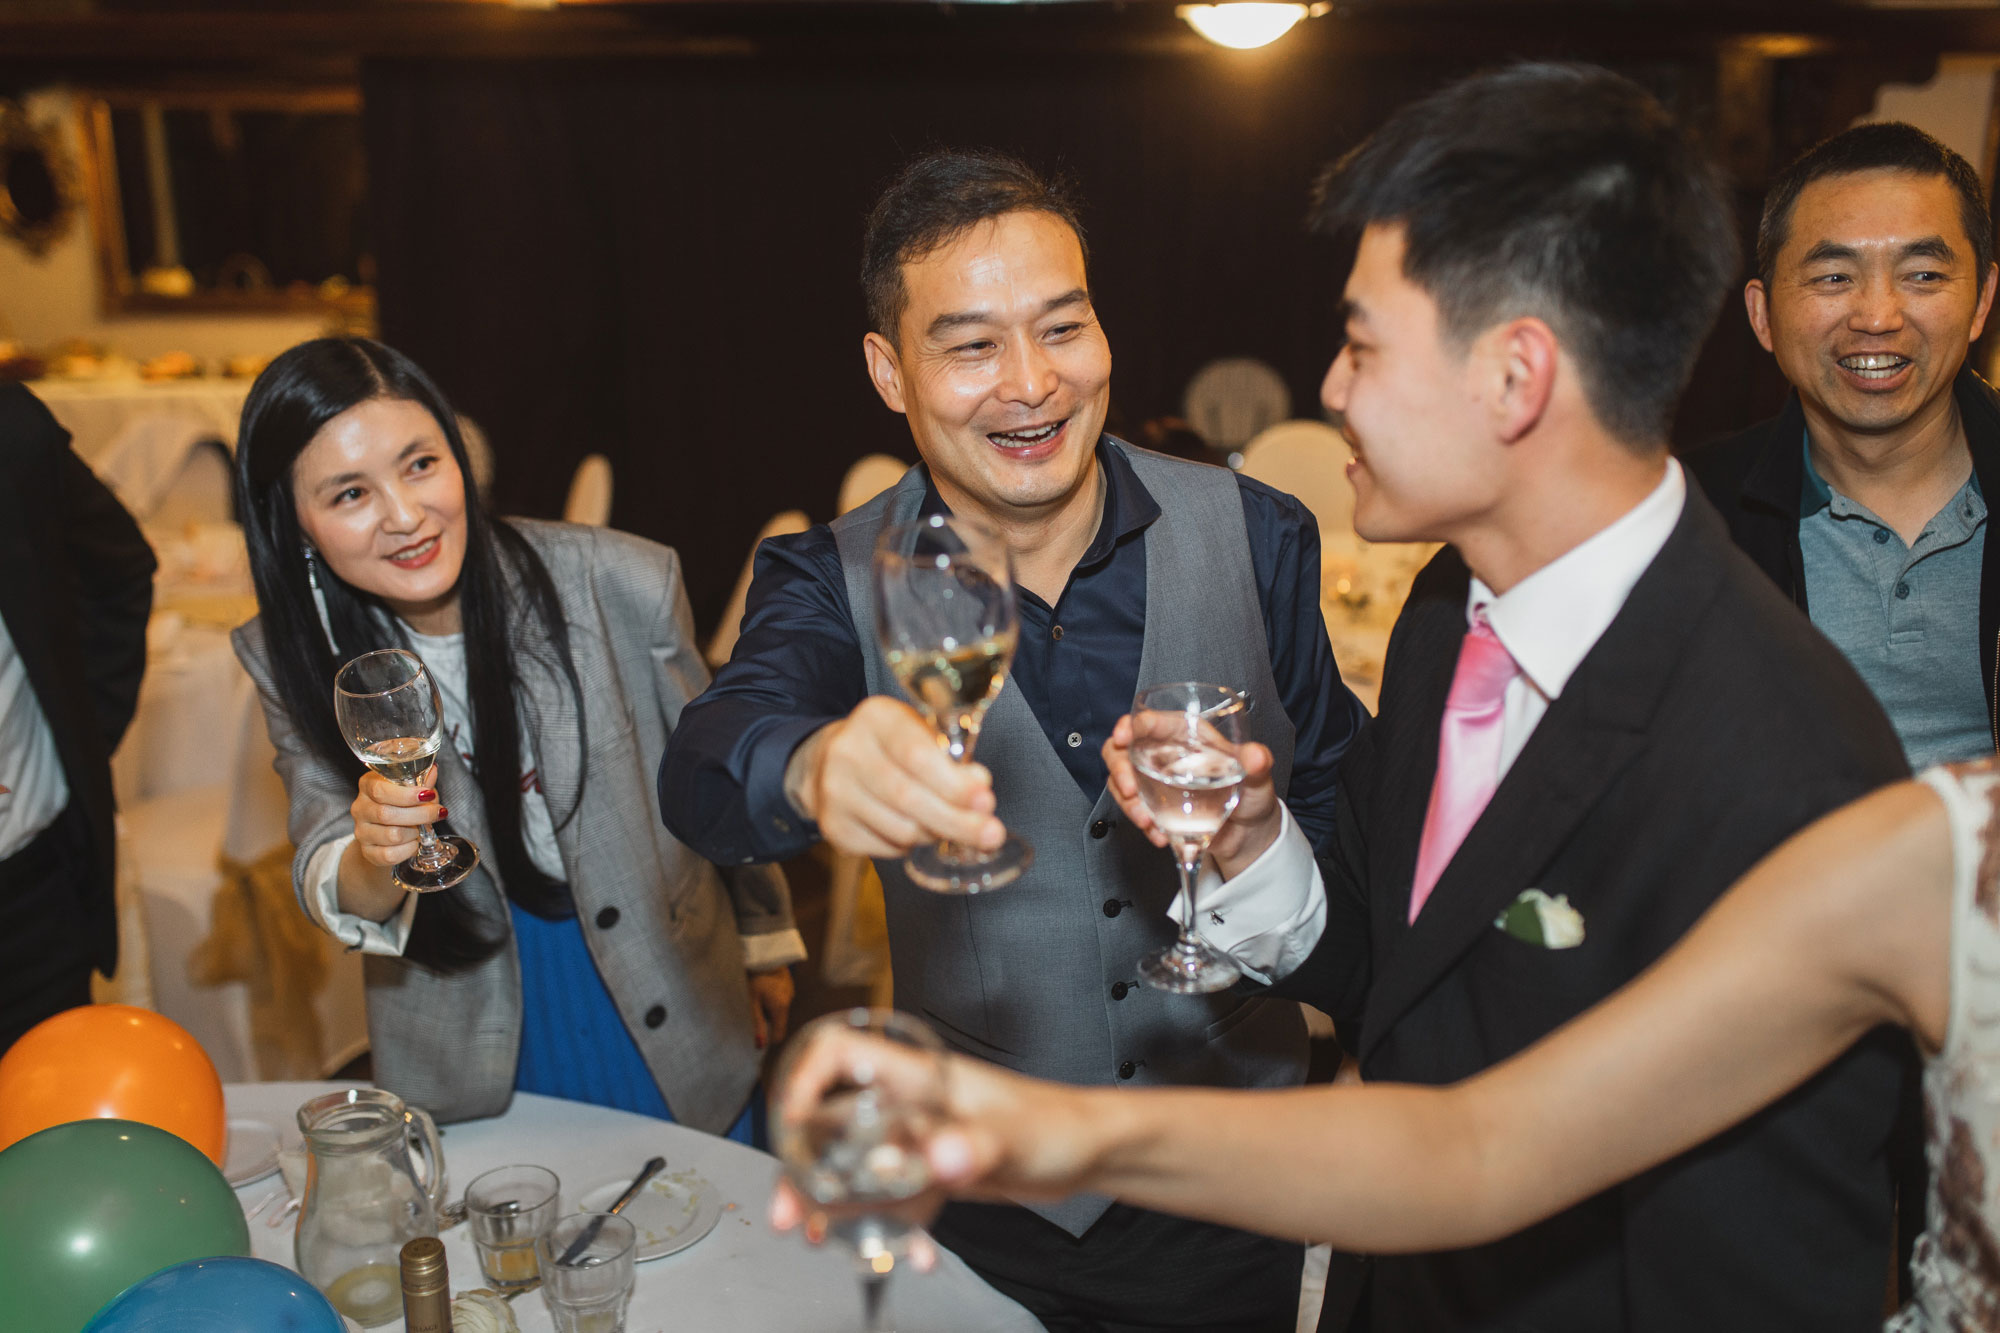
(590, 955)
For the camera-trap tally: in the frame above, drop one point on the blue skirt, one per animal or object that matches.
(573, 1043)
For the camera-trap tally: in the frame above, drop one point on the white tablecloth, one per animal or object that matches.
(742, 1278)
(94, 411)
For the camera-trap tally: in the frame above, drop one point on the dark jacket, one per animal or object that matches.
(76, 585)
(1757, 479)
(1691, 740)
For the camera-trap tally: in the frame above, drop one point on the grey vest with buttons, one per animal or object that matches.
(1040, 976)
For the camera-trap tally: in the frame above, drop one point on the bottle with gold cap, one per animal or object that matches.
(426, 1289)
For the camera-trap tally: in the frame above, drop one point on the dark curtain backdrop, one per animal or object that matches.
(656, 260)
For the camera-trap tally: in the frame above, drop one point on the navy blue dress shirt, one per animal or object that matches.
(798, 666)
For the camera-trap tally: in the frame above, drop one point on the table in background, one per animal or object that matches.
(94, 411)
(741, 1278)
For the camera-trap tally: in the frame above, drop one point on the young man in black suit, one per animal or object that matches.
(1596, 713)
(76, 584)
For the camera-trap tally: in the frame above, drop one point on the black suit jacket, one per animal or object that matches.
(1707, 724)
(76, 584)
(1757, 479)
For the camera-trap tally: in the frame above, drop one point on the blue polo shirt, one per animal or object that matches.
(1906, 616)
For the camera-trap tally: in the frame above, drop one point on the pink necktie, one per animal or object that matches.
(1468, 754)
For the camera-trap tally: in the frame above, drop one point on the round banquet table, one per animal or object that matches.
(742, 1277)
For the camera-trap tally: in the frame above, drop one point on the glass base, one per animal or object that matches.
(1189, 967)
(952, 869)
(460, 859)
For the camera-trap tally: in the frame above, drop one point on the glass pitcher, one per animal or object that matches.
(364, 1198)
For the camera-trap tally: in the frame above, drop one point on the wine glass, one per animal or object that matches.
(851, 1133)
(1185, 738)
(389, 714)
(947, 619)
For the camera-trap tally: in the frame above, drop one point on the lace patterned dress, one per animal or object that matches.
(1957, 1262)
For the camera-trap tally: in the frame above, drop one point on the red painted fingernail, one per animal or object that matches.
(443, 813)
(427, 795)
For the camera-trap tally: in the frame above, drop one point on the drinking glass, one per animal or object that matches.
(389, 714)
(854, 1150)
(588, 1293)
(510, 1208)
(948, 622)
(1185, 738)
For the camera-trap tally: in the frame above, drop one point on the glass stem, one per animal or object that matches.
(958, 740)
(430, 852)
(1189, 860)
(873, 1287)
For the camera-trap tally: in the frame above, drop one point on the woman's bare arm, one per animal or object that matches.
(1843, 928)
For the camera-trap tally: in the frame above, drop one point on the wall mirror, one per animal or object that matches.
(230, 200)
(38, 189)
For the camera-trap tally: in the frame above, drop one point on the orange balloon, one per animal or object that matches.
(112, 1061)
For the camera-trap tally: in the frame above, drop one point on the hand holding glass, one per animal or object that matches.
(1185, 739)
(389, 714)
(854, 1150)
(946, 615)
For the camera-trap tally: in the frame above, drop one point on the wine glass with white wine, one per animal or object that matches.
(389, 714)
(851, 1130)
(1185, 739)
(946, 614)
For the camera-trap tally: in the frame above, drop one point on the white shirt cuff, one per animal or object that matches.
(356, 932)
(1270, 917)
(772, 950)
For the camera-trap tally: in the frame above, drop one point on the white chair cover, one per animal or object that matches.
(168, 468)
(871, 475)
(590, 493)
(173, 848)
(1231, 400)
(731, 624)
(1306, 459)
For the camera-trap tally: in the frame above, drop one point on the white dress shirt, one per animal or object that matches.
(444, 657)
(1275, 910)
(30, 769)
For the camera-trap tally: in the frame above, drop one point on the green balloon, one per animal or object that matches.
(89, 1208)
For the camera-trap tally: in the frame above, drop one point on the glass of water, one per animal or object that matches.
(1185, 738)
(389, 714)
(851, 1133)
(587, 1291)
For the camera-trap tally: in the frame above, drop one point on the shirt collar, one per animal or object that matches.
(1551, 620)
(1128, 506)
(1816, 494)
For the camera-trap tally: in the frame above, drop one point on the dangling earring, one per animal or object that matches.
(319, 599)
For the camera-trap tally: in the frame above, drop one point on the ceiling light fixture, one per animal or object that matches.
(1244, 24)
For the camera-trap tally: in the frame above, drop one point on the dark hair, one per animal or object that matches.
(1886, 146)
(1564, 192)
(935, 198)
(502, 579)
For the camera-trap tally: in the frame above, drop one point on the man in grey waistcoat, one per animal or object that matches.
(1132, 569)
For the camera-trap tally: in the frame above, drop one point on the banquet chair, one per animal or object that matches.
(724, 642)
(231, 956)
(1306, 459)
(870, 475)
(1229, 401)
(590, 492)
(168, 469)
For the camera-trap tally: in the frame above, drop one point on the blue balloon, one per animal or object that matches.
(224, 1295)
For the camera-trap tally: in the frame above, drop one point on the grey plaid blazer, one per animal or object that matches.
(670, 954)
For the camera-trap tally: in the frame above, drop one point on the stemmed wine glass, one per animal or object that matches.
(946, 615)
(851, 1134)
(1185, 738)
(389, 714)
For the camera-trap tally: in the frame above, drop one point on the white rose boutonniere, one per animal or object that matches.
(1536, 918)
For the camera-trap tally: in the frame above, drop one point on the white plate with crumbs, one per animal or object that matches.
(675, 1210)
(251, 1152)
